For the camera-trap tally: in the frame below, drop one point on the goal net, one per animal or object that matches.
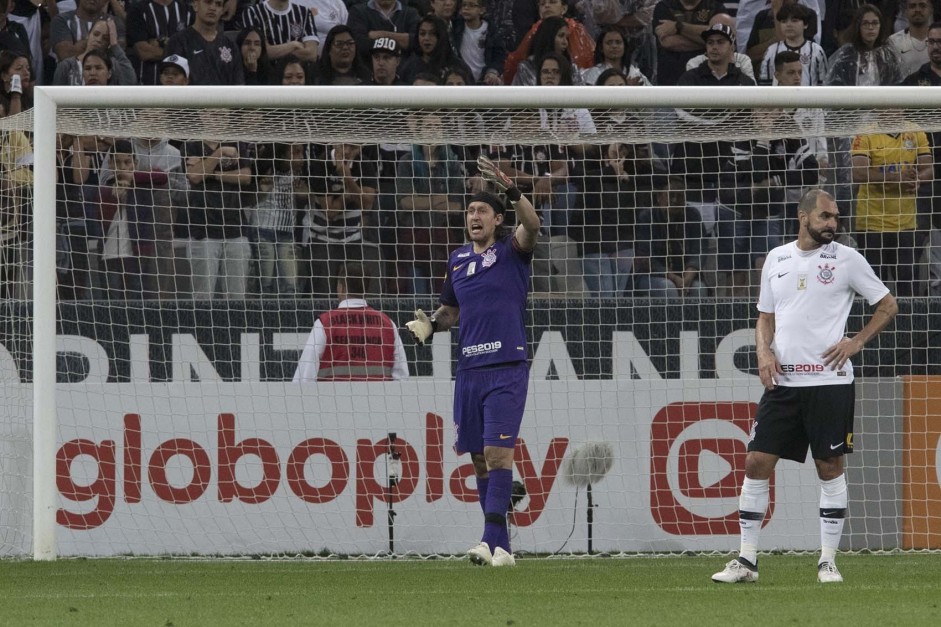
(167, 252)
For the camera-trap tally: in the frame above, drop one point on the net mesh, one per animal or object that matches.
(479, 126)
(190, 279)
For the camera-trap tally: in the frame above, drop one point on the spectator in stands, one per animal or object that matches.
(444, 9)
(466, 123)
(150, 24)
(479, 43)
(343, 185)
(385, 64)
(87, 156)
(34, 20)
(433, 53)
(81, 168)
(75, 232)
(16, 182)
(13, 35)
(219, 251)
(578, 46)
(910, 43)
(16, 94)
(839, 27)
(68, 32)
(214, 58)
(795, 20)
(615, 179)
(632, 17)
(767, 175)
(279, 194)
(293, 71)
(174, 70)
(678, 25)
(101, 54)
(670, 244)
(702, 162)
(554, 70)
(642, 38)
(767, 28)
(385, 59)
(929, 75)
(340, 61)
(551, 36)
(739, 60)
(888, 169)
(458, 75)
(613, 51)
(288, 28)
(501, 15)
(353, 342)
(158, 155)
(431, 202)
(626, 122)
(98, 68)
(256, 66)
(383, 18)
(327, 14)
(544, 171)
(81, 174)
(788, 72)
(125, 212)
(866, 59)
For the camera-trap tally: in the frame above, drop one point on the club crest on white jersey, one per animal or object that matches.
(825, 275)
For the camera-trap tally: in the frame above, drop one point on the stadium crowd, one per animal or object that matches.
(159, 218)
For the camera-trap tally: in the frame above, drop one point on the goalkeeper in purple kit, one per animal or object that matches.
(486, 285)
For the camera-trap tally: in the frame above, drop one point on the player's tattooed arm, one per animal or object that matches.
(423, 327)
(446, 317)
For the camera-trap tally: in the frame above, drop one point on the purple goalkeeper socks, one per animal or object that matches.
(499, 490)
(482, 492)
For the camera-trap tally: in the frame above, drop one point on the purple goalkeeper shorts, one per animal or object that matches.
(488, 406)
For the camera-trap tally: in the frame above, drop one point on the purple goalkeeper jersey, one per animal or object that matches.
(490, 289)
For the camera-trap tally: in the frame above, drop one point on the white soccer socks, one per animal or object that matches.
(832, 516)
(752, 505)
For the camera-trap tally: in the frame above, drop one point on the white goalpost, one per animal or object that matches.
(168, 424)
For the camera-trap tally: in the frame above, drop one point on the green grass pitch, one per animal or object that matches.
(879, 590)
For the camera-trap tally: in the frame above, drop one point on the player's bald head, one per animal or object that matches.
(814, 199)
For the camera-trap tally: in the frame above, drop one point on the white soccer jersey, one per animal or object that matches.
(813, 60)
(810, 294)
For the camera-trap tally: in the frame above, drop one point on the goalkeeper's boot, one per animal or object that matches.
(738, 570)
(480, 555)
(827, 573)
(501, 557)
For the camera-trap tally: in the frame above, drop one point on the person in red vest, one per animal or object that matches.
(353, 342)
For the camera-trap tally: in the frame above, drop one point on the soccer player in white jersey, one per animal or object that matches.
(807, 290)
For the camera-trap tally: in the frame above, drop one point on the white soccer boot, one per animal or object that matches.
(502, 558)
(737, 571)
(480, 555)
(827, 572)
